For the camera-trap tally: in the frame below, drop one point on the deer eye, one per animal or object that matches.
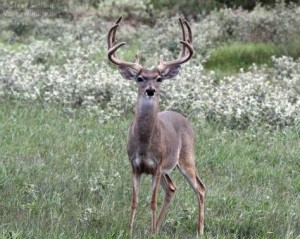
(140, 79)
(159, 79)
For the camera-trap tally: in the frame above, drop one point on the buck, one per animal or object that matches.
(158, 142)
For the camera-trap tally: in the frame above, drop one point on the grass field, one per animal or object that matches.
(67, 176)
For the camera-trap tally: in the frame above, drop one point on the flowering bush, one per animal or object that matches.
(70, 68)
(248, 98)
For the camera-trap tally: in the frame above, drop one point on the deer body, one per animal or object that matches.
(158, 142)
(161, 145)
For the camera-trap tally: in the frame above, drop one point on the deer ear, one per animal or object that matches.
(128, 73)
(170, 72)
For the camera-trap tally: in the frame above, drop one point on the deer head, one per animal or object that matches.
(149, 80)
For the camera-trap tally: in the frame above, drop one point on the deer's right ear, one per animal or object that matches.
(128, 73)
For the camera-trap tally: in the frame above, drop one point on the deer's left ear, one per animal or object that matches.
(170, 72)
(128, 73)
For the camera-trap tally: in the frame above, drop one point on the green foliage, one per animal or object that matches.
(12, 46)
(20, 28)
(66, 64)
(241, 55)
(190, 9)
(292, 47)
(250, 4)
(194, 8)
(68, 176)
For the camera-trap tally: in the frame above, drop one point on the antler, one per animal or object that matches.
(112, 48)
(186, 43)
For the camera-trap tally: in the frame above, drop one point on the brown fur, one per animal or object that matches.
(158, 141)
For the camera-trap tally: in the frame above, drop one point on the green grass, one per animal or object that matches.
(68, 176)
(230, 58)
(11, 46)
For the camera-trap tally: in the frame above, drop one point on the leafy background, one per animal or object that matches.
(64, 61)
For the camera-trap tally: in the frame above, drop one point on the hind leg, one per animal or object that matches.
(189, 172)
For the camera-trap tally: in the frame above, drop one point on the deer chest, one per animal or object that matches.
(144, 164)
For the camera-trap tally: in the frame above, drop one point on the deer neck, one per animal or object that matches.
(145, 122)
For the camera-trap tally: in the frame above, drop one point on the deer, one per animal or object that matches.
(158, 142)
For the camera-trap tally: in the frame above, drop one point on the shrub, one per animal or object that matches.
(65, 63)
(194, 8)
(276, 25)
(259, 96)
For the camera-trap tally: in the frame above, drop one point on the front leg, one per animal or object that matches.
(136, 179)
(155, 184)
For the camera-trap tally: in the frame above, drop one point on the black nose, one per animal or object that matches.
(150, 92)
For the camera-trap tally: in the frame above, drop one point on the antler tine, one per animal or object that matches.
(186, 43)
(188, 27)
(112, 48)
(189, 30)
(111, 37)
(137, 58)
(182, 52)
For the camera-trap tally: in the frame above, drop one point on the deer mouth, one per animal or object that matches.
(149, 93)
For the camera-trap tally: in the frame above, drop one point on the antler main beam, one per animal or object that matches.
(182, 53)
